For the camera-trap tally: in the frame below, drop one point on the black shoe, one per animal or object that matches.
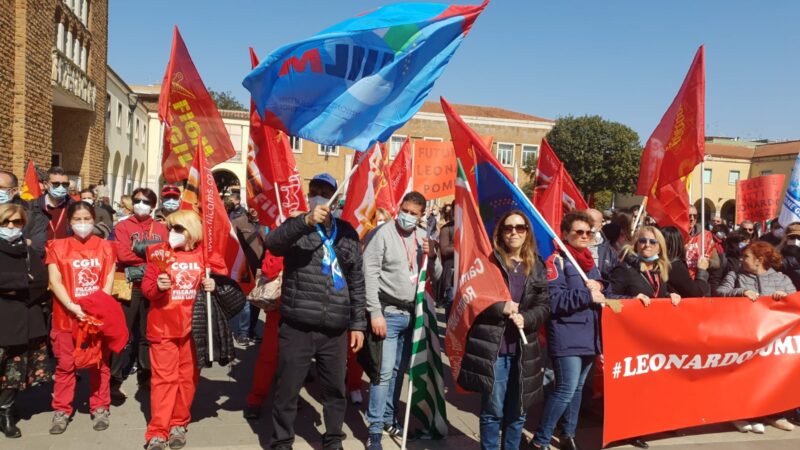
(252, 412)
(638, 442)
(242, 340)
(568, 443)
(8, 425)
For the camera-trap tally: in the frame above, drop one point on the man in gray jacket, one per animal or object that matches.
(392, 259)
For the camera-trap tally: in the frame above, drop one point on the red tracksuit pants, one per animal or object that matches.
(64, 387)
(267, 363)
(174, 380)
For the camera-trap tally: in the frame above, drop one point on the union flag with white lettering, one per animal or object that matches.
(478, 282)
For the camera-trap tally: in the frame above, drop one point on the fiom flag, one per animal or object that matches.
(358, 81)
(221, 249)
(400, 172)
(547, 166)
(30, 186)
(368, 190)
(790, 212)
(271, 164)
(478, 283)
(425, 367)
(190, 117)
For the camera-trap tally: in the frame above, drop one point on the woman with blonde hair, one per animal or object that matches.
(644, 269)
(172, 291)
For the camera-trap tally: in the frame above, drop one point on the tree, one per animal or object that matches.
(600, 155)
(226, 100)
(529, 169)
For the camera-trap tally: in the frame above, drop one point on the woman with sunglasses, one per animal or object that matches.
(573, 330)
(173, 355)
(131, 237)
(79, 266)
(23, 332)
(508, 373)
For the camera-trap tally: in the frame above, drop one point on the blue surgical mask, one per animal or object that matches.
(649, 258)
(5, 196)
(171, 204)
(406, 221)
(10, 234)
(57, 192)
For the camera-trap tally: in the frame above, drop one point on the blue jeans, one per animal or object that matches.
(501, 409)
(384, 395)
(240, 323)
(571, 372)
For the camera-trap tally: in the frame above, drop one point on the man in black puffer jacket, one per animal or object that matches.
(322, 298)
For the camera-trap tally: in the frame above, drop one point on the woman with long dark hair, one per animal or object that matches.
(507, 372)
(680, 281)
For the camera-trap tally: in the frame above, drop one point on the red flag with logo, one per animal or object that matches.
(270, 163)
(708, 360)
(221, 249)
(400, 172)
(30, 186)
(478, 282)
(190, 117)
(547, 166)
(368, 190)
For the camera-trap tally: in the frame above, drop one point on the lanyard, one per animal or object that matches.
(58, 223)
(410, 255)
(655, 282)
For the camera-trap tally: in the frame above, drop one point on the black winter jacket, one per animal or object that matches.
(483, 341)
(227, 300)
(308, 296)
(23, 292)
(628, 281)
(36, 227)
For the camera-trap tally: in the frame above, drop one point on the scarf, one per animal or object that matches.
(583, 257)
(330, 265)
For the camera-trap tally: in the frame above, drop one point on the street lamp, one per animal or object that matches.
(133, 100)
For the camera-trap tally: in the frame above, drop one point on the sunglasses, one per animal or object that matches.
(586, 233)
(177, 228)
(749, 230)
(141, 201)
(59, 183)
(693, 216)
(648, 241)
(520, 229)
(15, 222)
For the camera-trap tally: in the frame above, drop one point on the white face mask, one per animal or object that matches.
(142, 209)
(82, 229)
(176, 240)
(88, 200)
(10, 234)
(795, 242)
(315, 201)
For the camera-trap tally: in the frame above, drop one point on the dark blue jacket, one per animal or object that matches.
(574, 325)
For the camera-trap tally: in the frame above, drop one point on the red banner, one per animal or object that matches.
(189, 116)
(549, 166)
(758, 199)
(707, 360)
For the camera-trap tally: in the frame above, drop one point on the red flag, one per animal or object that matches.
(190, 117)
(759, 198)
(470, 148)
(549, 201)
(678, 143)
(221, 249)
(547, 166)
(270, 162)
(669, 205)
(400, 171)
(30, 186)
(479, 283)
(368, 189)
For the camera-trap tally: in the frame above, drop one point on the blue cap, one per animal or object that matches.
(326, 178)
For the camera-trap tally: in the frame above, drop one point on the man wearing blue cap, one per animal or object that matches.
(323, 299)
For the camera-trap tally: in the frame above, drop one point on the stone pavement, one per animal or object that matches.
(218, 424)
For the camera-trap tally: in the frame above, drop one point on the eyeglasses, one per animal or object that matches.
(586, 233)
(693, 216)
(141, 201)
(177, 228)
(18, 223)
(520, 229)
(749, 230)
(647, 241)
(61, 183)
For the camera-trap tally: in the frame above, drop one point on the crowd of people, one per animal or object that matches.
(88, 286)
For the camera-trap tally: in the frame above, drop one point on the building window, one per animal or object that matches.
(706, 176)
(136, 134)
(433, 139)
(529, 154)
(505, 154)
(766, 172)
(733, 177)
(328, 150)
(108, 108)
(144, 133)
(60, 35)
(68, 44)
(235, 132)
(296, 143)
(130, 118)
(395, 144)
(119, 115)
(55, 159)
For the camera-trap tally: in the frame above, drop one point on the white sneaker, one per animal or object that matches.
(781, 424)
(743, 426)
(356, 397)
(758, 428)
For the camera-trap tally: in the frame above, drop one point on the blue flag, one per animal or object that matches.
(358, 81)
(497, 195)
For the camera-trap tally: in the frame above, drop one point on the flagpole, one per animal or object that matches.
(410, 365)
(280, 207)
(342, 184)
(703, 209)
(210, 328)
(638, 216)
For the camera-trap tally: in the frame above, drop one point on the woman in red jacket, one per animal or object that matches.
(173, 358)
(79, 266)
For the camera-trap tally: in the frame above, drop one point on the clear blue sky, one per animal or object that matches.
(623, 60)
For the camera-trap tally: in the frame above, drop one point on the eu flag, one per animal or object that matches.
(358, 81)
(498, 195)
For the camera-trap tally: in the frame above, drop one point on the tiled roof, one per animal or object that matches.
(778, 149)
(482, 111)
(728, 151)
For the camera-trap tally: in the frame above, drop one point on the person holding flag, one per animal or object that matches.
(172, 290)
(392, 260)
(322, 298)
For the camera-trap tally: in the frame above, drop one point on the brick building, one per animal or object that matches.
(53, 59)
